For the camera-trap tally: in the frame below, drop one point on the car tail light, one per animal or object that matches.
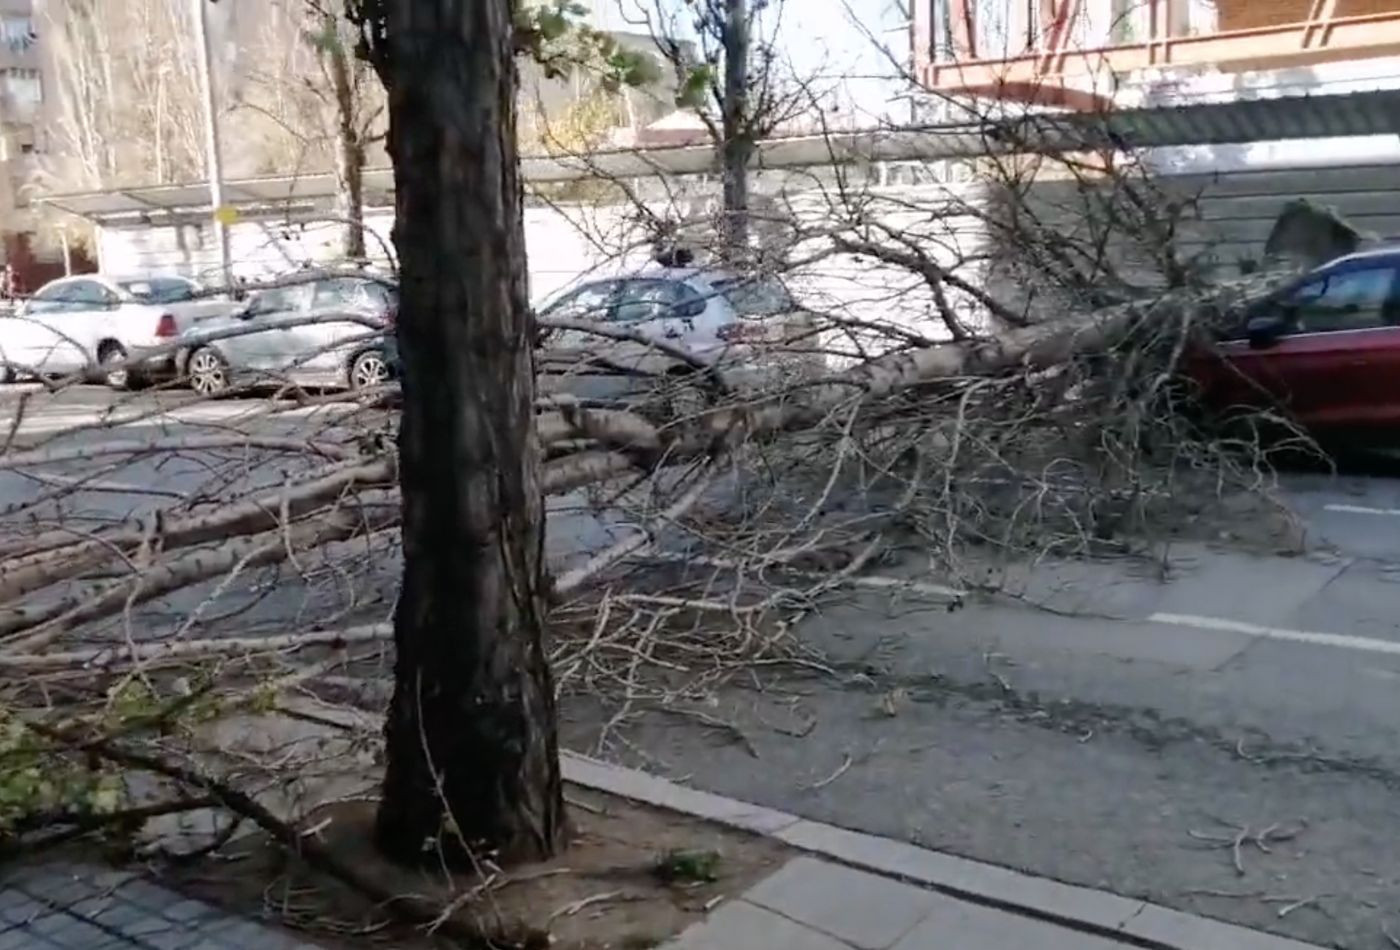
(391, 316)
(740, 332)
(166, 327)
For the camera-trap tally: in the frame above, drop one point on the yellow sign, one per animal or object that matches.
(226, 215)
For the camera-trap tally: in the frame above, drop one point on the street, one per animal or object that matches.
(1216, 731)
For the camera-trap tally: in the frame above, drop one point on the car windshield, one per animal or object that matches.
(158, 289)
(755, 298)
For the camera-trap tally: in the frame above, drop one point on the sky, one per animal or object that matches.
(825, 38)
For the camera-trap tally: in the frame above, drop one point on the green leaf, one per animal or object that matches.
(696, 86)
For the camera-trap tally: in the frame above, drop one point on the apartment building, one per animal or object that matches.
(1090, 54)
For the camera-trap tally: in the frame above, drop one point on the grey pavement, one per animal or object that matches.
(63, 906)
(812, 904)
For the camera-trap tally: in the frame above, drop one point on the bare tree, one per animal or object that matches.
(725, 59)
(128, 112)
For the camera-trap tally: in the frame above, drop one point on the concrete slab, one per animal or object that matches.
(962, 875)
(967, 926)
(1175, 929)
(864, 910)
(740, 926)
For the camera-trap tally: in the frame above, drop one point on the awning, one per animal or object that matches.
(1215, 123)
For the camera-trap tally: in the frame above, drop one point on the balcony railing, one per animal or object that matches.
(1060, 66)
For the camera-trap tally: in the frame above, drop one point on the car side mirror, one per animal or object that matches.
(1265, 331)
(691, 308)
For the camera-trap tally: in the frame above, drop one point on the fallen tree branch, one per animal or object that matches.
(156, 654)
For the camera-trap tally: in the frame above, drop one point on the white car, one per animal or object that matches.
(749, 327)
(91, 323)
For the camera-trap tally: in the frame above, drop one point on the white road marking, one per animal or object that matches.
(1363, 510)
(1344, 641)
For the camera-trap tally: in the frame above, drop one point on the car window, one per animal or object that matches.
(1350, 300)
(281, 299)
(88, 293)
(589, 302)
(337, 292)
(759, 297)
(380, 295)
(159, 289)
(640, 300)
(49, 299)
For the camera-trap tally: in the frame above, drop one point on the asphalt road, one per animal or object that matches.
(1116, 725)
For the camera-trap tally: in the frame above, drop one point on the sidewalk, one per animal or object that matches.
(61, 906)
(816, 905)
(848, 891)
(854, 891)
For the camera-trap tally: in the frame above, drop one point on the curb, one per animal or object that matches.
(1107, 915)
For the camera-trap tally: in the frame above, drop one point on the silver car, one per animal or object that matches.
(323, 330)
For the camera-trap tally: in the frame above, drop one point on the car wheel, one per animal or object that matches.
(208, 372)
(116, 377)
(369, 369)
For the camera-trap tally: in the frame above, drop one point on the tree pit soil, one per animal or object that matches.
(609, 890)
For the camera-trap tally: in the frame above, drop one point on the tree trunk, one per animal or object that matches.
(472, 750)
(349, 151)
(737, 148)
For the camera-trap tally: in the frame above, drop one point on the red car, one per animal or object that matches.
(1325, 349)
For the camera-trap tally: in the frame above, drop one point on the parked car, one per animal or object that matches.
(750, 327)
(1325, 348)
(292, 334)
(713, 315)
(95, 322)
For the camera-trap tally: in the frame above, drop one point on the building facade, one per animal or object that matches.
(1086, 54)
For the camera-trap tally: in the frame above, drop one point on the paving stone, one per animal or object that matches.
(955, 923)
(739, 925)
(1189, 932)
(21, 908)
(186, 909)
(149, 895)
(865, 910)
(74, 934)
(57, 887)
(961, 874)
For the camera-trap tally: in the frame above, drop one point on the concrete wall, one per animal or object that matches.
(1224, 221)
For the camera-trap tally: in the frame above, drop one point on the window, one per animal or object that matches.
(88, 295)
(589, 302)
(49, 299)
(337, 292)
(281, 299)
(159, 289)
(1350, 300)
(756, 298)
(22, 87)
(641, 300)
(17, 32)
(381, 296)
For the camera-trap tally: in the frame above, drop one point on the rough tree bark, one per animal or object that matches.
(737, 146)
(472, 749)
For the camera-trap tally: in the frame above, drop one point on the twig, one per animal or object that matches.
(846, 761)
